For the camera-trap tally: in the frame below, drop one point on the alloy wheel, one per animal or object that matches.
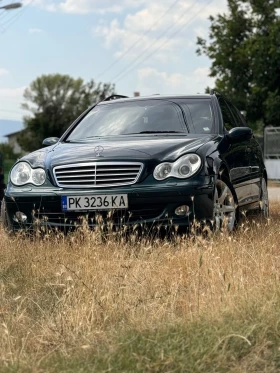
(264, 203)
(224, 207)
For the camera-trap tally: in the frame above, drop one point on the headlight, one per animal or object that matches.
(22, 174)
(183, 168)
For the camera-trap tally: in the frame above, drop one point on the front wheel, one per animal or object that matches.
(264, 203)
(5, 218)
(225, 211)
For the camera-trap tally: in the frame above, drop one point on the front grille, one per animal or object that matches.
(97, 174)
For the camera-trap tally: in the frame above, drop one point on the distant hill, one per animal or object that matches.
(9, 126)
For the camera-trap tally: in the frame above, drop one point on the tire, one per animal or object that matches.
(2, 189)
(4, 217)
(225, 211)
(264, 202)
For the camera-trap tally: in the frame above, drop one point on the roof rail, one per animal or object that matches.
(114, 97)
(214, 92)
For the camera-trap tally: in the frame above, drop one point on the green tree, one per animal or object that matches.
(244, 46)
(55, 101)
(7, 151)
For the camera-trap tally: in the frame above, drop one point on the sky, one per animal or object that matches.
(140, 45)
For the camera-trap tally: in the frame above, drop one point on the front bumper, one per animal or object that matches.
(149, 204)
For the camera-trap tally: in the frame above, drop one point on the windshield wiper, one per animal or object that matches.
(124, 134)
(147, 132)
(162, 132)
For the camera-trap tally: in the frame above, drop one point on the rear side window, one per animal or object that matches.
(236, 114)
(228, 119)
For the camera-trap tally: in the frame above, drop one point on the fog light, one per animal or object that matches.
(182, 210)
(20, 217)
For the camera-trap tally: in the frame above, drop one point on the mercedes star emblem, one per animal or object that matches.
(98, 150)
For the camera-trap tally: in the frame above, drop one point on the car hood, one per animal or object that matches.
(160, 148)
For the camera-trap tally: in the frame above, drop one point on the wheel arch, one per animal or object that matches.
(265, 176)
(224, 171)
(220, 168)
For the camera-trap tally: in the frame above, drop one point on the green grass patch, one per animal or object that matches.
(247, 340)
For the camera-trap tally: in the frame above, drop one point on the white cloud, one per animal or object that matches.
(151, 81)
(115, 34)
(3, 71)
(87, 6)
(188, 15)
(201, 32)
(94, 6)
(10, 103)
(178, 28)
(110, 6)
(11, 92)
(35, 31)
(45, 4)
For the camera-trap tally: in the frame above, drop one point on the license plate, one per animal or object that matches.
(99, 202)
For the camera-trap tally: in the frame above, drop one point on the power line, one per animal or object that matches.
(11, 20)
(14, 18)
(4, 13)
(123, 74)
(155, 41)
(137, 42)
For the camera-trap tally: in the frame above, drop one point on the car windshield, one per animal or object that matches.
(145, 117)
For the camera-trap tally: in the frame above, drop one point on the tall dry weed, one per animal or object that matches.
(62, 293)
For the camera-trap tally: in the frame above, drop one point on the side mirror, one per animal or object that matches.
(240, 133)
(50, 141)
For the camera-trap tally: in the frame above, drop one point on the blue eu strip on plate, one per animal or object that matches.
(64, 203)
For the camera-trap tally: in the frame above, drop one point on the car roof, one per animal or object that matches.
(155, 97)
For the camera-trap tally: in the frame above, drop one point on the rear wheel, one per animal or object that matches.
(225, 212)
(2, 188)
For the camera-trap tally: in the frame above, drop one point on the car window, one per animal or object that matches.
(132, 117)
(228, 119)
(236, 114)
(199, 115)
(145, 116)
(242, 118)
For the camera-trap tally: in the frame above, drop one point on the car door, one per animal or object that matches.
(237, 157)
(255, 157)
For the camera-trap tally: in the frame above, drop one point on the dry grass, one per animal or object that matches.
(273, 183)
(66, 299)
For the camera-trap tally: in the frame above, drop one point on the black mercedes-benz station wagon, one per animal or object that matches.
(153, 160)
